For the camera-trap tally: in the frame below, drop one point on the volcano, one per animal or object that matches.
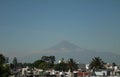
(67, 50)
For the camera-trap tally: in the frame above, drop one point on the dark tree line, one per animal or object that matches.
(4, 68)
(47, 62)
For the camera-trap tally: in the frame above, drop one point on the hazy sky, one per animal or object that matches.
(34, 25)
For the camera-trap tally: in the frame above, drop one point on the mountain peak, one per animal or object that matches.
(65, 44)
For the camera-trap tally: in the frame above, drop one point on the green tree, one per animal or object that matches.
(2, 59)
(37, 63)
(114, 64)
(4, 68)
(15, 63)
(72, 65)
(61, 66)
(44, 65)
(50, 59)
(97, 63)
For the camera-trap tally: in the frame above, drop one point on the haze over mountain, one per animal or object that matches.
(67, 50)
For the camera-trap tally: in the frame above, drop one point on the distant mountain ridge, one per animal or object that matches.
(67, 50)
